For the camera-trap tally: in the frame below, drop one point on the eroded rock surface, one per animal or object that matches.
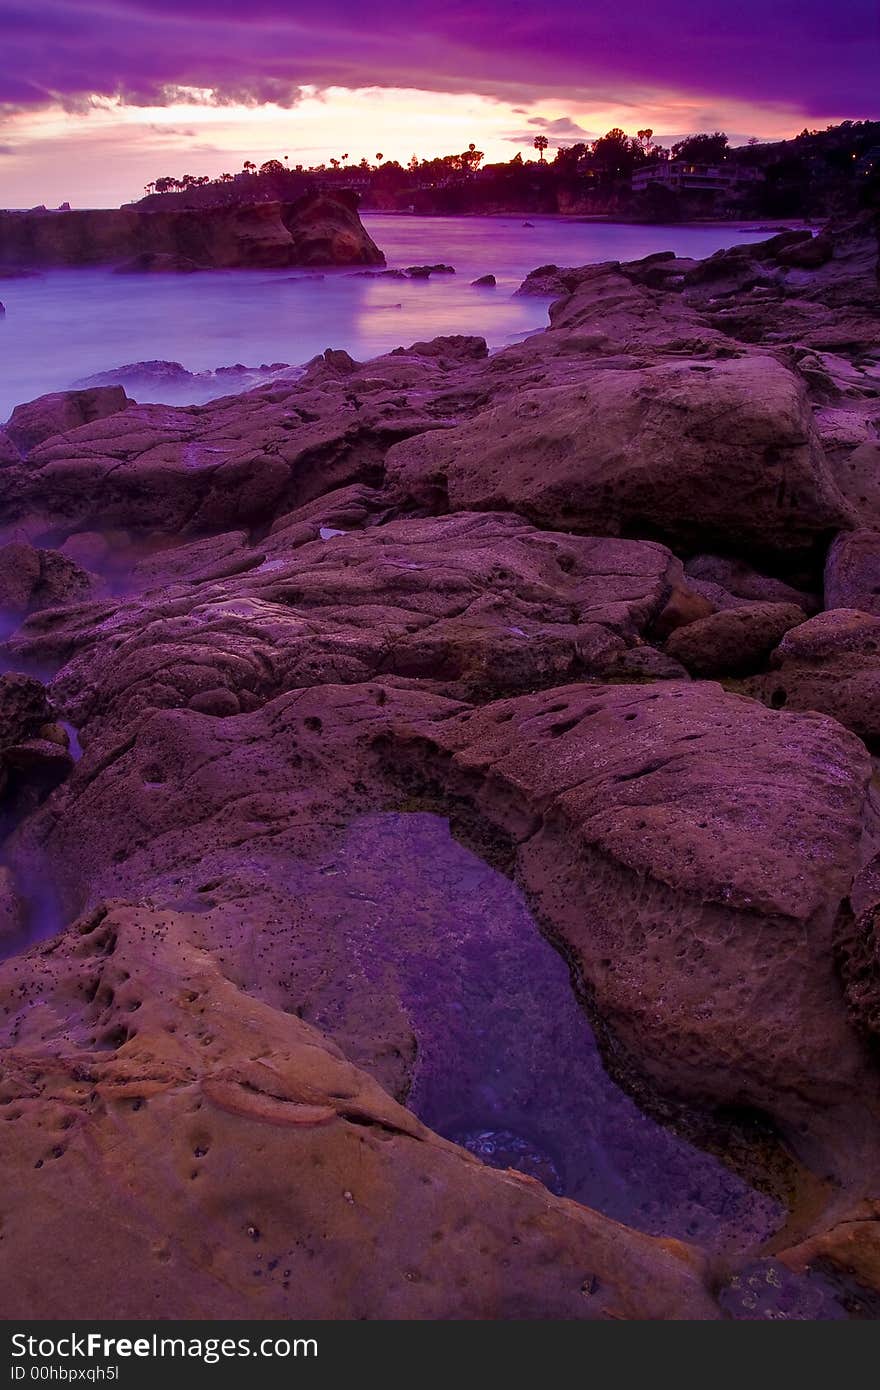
(250, 639)
(317, 229)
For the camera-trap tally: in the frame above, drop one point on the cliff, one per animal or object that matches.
(317, 229)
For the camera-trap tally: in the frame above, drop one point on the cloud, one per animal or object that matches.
(562, 127)
(6, 149)
(809, 56)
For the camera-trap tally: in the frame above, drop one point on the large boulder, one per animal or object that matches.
(852, 572)
(830, 663)
(734, 641)
(685, 450)
(41, 419)
(31, 579)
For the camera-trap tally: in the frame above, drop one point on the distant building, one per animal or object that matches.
(713, 181)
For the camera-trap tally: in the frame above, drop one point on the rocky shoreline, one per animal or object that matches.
(316, 229)
(607, 602)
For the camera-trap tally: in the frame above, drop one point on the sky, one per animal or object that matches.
(98, 97)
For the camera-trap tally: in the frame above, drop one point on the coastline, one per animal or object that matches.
(601, 602)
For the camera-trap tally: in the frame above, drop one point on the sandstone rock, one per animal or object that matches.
(852, 572)
(31, 765)
(807, 254)
(238, 460)
(174, 1121)
(741, 581)
(831, 664)
(31, 579)
(13, 917)
(850, 1250)
(317, 229)
(158, 262)
(24, 708)
(311, 619)
(473, 604)
(695, 809)
(8, 452)
(47, 416)
(456, 347)
(687, 451)
(856, 470)
(733, 642)
(421, 272)
(684, 606)
(858, 950)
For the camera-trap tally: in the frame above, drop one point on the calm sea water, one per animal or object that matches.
(68, 324)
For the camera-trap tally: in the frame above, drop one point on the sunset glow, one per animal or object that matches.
(125, 97)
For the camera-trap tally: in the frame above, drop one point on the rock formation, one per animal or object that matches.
(318, 229)
(604, 601)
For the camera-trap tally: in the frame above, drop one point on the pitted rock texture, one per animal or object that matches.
(484, 587)
(852, 572)
(474, 604)
(832, 664)
(681, 450)
(127, 1040)
(735, 641)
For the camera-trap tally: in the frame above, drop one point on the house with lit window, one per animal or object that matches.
(712, 181)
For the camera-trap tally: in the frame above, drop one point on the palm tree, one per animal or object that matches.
(541, 143)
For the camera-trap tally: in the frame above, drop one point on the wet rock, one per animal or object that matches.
(484, 282)
(735, 641)
(848, 1255)
(422, 272)
(158, 262)
(694, 851)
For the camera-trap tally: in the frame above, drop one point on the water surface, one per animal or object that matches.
(65, 325)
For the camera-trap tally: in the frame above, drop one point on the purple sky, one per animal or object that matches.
(810, 55)
(97, 97)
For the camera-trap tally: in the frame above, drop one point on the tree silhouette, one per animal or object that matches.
(702, 149)
(541, 143)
